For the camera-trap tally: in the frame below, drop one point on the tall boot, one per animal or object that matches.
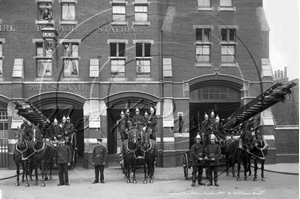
(200, 180)
(193, 180)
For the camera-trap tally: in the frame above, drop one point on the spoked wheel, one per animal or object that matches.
(185, 166)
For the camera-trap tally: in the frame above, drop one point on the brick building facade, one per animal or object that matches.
(181, 58)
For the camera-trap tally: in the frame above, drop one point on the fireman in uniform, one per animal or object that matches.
(138, 120)
(197, 156)
(63, 157)
(216, 130)
(99, 158)
(212, 156)
(205, 130)
(121, 123)
(69, 129)
(152, 121)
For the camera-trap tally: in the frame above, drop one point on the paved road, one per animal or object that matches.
(169, 183)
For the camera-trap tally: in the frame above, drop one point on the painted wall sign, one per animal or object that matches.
(64, 28)
(7, 28)
(54, 87)
(116, 29)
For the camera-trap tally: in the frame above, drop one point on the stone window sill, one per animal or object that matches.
(119, 23)
(141, 23)
(203, 65)
(68, 22)
(205, 8)
(44, 22)
(228, 65)
(227, 9)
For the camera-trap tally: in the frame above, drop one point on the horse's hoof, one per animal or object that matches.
(234, 175)
(17, 184)
(27, 185)
(43, 185)
(128, 181)
(145, 181)
(151, 181)
(254, 179)
(238, 179)
(134, 181)
(245, 179)
(263, 179)
(35, 183)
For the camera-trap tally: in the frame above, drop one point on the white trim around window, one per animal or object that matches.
(2, 40)
(67, 1)
(203, 26)
(44, 1)
(142, 41)
(117, 41)
(69, 40)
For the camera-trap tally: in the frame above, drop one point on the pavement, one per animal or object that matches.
(172, 173)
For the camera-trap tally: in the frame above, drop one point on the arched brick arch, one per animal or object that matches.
(132, 98)
(57, 98)
(210, 80)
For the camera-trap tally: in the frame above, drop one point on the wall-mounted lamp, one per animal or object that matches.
(50, 35)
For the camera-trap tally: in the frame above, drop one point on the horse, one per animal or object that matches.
(237, 151)
(259, 153)
(40, 153)
(20, 148)
(148, 150)
(129, 152)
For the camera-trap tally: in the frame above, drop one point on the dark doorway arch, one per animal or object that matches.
(120, 102)
(59, 104)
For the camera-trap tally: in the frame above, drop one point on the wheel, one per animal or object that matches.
(185, 166)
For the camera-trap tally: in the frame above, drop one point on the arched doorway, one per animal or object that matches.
(59, 104)
(121, 102)
(213, 93)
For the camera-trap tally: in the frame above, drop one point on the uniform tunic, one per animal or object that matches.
(197, 151)
(99, 155)
(63, 154)
(213, 151)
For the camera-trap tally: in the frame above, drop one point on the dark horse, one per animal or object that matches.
(129, 151)
(20, 148)
(237, 151)
(148, 150)
(259, 153)
(40, 153)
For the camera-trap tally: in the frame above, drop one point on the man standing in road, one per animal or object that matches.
(63, 159)
(99, 158)
(212, 155)
(197, 155)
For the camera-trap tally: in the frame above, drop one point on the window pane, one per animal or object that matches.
(113, 49)
(199, 50)
(66, 49)
(70, 67)
(1, 126)
(1, 50)
(5, 126)
(68, 12)
(204, 3)
(147, 50)
(1, 68)
(45, 11)
(39, 49)
(206, 34)
(139, 49)
(206, 50)
(224, 50)
(231, 35)
(225, 3)
(74, 50)
(224, 34)
(121, 49)
(198, 34)
(44, 67)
